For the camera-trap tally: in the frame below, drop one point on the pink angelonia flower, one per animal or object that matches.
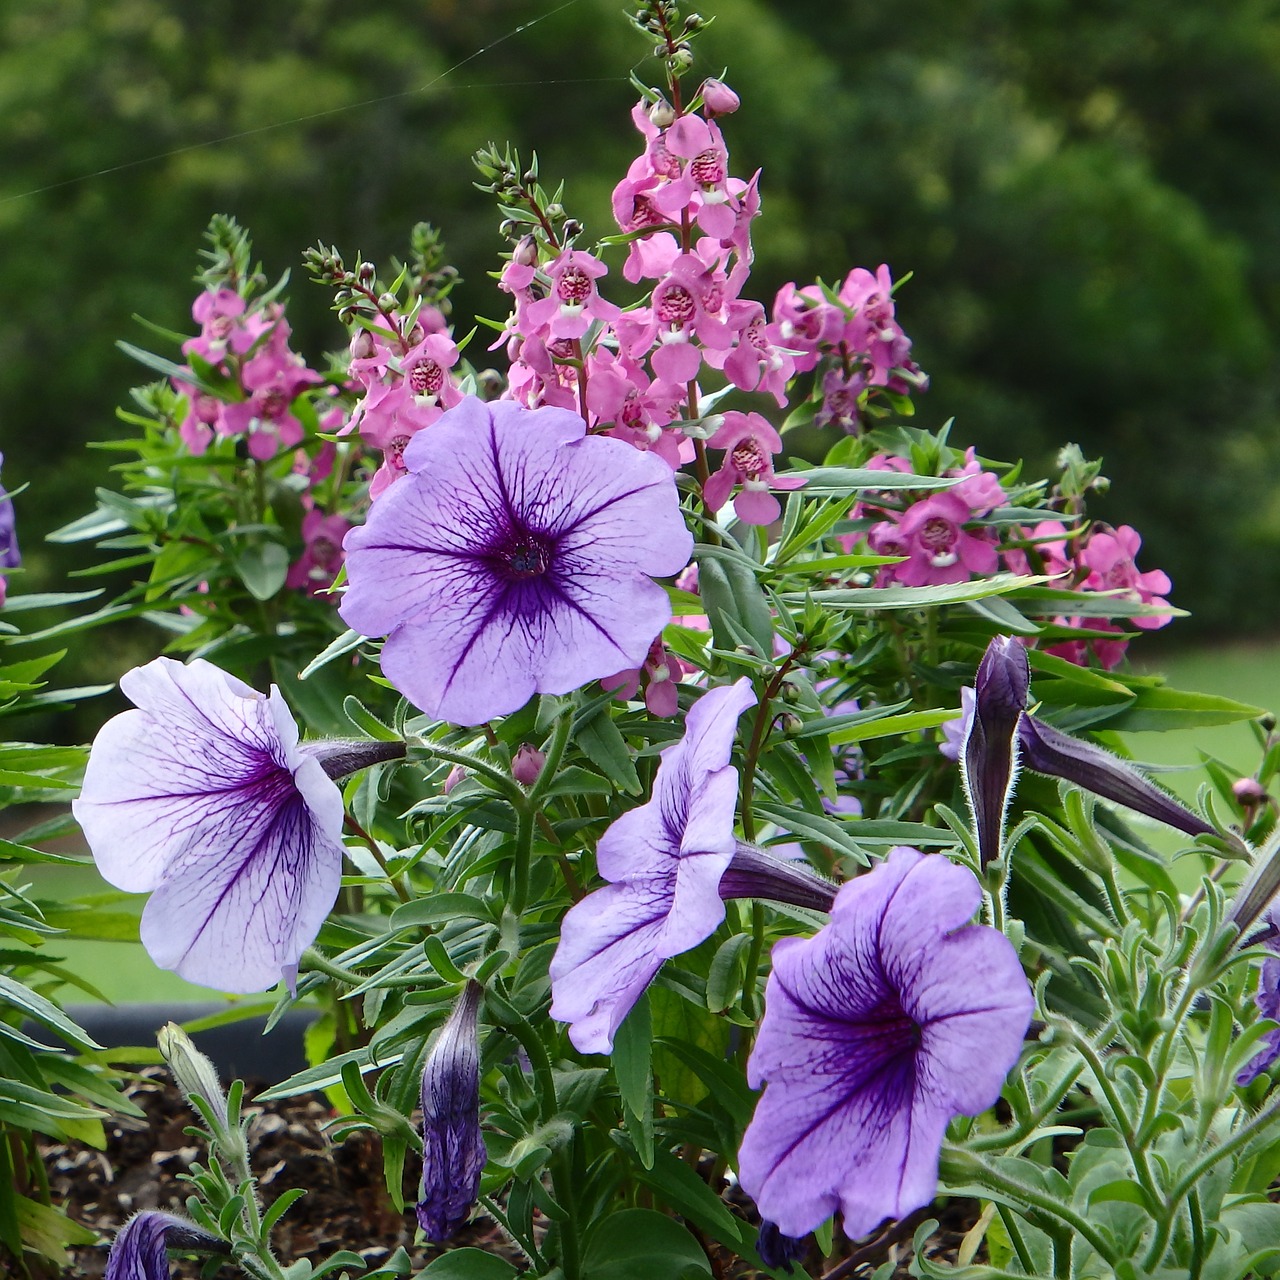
(701, 188)
(203, 416)
(980, 489)
(662, 671)
(224, 327)
(322, 554)
(620, 392)
(574, 301)
(1050, 539)
(754, 363)
(425, 367)
(842, 401)
(274, 378)
(1110, 558)
(749, 443)
(805, 323)
(1109, 653)
(939, 549)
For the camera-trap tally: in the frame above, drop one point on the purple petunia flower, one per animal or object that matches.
(138, 1252)
(204, 797)
(1267, 999)
(888, 1022)
(665, 860)
(672, 863)
(453, 1151)
(515, 557)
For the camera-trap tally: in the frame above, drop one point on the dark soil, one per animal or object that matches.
(346, 1205)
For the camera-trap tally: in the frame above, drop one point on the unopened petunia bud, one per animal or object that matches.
(339, 757)
(718, 99)
(455, 775)
(989, 753)
(139, 1249)
(453, 1151)
(528, 764)
(195, 1074)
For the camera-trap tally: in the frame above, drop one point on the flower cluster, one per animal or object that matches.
(243, 380)
(853, 338)
(1099, 559)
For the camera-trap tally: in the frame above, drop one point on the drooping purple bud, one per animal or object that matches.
(779, 1252)
(757, 873)
(139, 1249)
(1048, 750)
(718, 99)
(990, 752)
(453, 1150)
(527, 766)
(339, 757)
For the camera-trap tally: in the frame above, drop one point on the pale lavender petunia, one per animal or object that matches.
(893, 1018)
(516, 557)
(204, 797)
(665, 860)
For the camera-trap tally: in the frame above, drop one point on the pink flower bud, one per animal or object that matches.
(456, 775)
(718, 99)
(527, 765)
(1248, 791)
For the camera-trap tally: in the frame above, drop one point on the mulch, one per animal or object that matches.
(346, 1205)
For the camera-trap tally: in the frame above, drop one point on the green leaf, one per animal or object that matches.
(344, 643)
(263, 567)
(1162, 708)
(686, 1192)
(889, 725)
(437, 907)
(912, 597)
(632, 1046)
(843, 480)
(641, 1244)
(468, 1264)
(603, 744)
(44, 1012)
(732, 594)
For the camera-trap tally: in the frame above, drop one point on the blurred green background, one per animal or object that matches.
(1087, 192)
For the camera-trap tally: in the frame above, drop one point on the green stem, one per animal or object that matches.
(524, 855)
(973, 1170)
(527, 1247)
(491, 773)
(555, 753)
(758, 732)
(401, 890)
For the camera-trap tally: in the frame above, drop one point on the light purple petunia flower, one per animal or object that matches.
(515, 557)
(665, 860)
(138, 1252)
(204, 797)
(888, 1022)
(453, 1151)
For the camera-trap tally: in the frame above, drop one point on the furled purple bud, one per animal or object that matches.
(1048, 750)
(139, 1249)
(527, 766)
(453, 1151)
(339, 757)
(779, 1252)
(757, 873)
(455, 775)
(718, 99)
(990, 752)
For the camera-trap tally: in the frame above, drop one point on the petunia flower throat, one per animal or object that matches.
(516, 557)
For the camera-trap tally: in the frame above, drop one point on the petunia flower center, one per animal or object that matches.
(525, 556)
